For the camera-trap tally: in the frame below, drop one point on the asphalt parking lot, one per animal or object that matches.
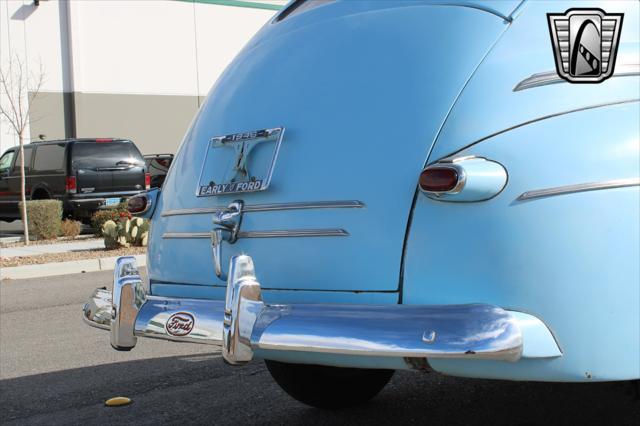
(10, 229)
(55, 370)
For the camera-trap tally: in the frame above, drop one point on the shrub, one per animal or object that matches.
(101, 216)
(125, 232)
(44, 218)
(70, 228)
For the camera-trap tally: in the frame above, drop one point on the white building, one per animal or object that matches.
(135, 69)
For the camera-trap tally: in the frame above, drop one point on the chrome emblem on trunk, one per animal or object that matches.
(238, 167)
(585, 44)
(180, 324)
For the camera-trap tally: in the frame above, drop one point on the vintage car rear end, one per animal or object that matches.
(416, 187)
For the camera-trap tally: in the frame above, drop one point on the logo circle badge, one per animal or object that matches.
(180, 324)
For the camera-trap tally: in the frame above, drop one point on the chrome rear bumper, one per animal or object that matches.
(243, 323)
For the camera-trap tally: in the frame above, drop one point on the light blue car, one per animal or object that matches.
(383, 185)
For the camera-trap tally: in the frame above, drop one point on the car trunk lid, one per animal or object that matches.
(361, 97)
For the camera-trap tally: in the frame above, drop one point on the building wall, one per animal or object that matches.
(137, 69)
(34, 36)
(156, 123)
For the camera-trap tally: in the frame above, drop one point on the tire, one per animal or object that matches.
(328, 387)
(40, 194)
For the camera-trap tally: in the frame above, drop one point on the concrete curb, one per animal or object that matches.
(11, 239)
(19, 239)
(64, 268)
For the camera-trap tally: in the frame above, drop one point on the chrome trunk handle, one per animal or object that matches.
(226, 228)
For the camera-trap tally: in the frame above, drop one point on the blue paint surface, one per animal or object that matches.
(370, 92)
(349, 136)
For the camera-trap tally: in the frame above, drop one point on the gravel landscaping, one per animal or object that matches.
(67, 256)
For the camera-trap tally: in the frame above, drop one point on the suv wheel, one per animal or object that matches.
(40, 194)
(328, 387)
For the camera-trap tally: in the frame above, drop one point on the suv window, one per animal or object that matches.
(28, 151)
(105, 154)
(5, 161)
(49, 157)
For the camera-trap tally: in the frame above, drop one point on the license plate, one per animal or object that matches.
(240, 162)
(112, 201)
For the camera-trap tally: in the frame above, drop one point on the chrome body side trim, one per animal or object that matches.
(270, 207)
(243, 324)
(581, 187)
(552, 77)
(283, 233)
(294, 233)
(186, 235)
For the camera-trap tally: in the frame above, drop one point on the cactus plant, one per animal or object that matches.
(125, 232)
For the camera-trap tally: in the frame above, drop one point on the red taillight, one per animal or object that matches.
(439, 179)
(137, 204)
(147, 180)
(103, 140)
(71, 184)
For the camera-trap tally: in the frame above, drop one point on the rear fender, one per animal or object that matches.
(569, 257)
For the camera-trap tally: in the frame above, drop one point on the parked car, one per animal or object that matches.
(85, 174)
(158, 166)
(443, 198)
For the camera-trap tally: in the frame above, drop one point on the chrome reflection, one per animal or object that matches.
(97, 311)
(243, 307)
(455, 331)
(128, 297)
(154, 316)
(243, 323)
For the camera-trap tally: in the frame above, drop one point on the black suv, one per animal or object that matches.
(85, 174)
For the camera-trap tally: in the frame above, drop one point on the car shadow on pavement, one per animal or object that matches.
(202, 389)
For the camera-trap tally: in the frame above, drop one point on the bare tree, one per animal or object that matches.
(16, 84)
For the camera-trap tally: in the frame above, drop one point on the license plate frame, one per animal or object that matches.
(234, 151)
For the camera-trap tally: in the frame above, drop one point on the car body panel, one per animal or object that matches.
(489, 103)
(278, 296)
(569, 260)
(370, 155)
